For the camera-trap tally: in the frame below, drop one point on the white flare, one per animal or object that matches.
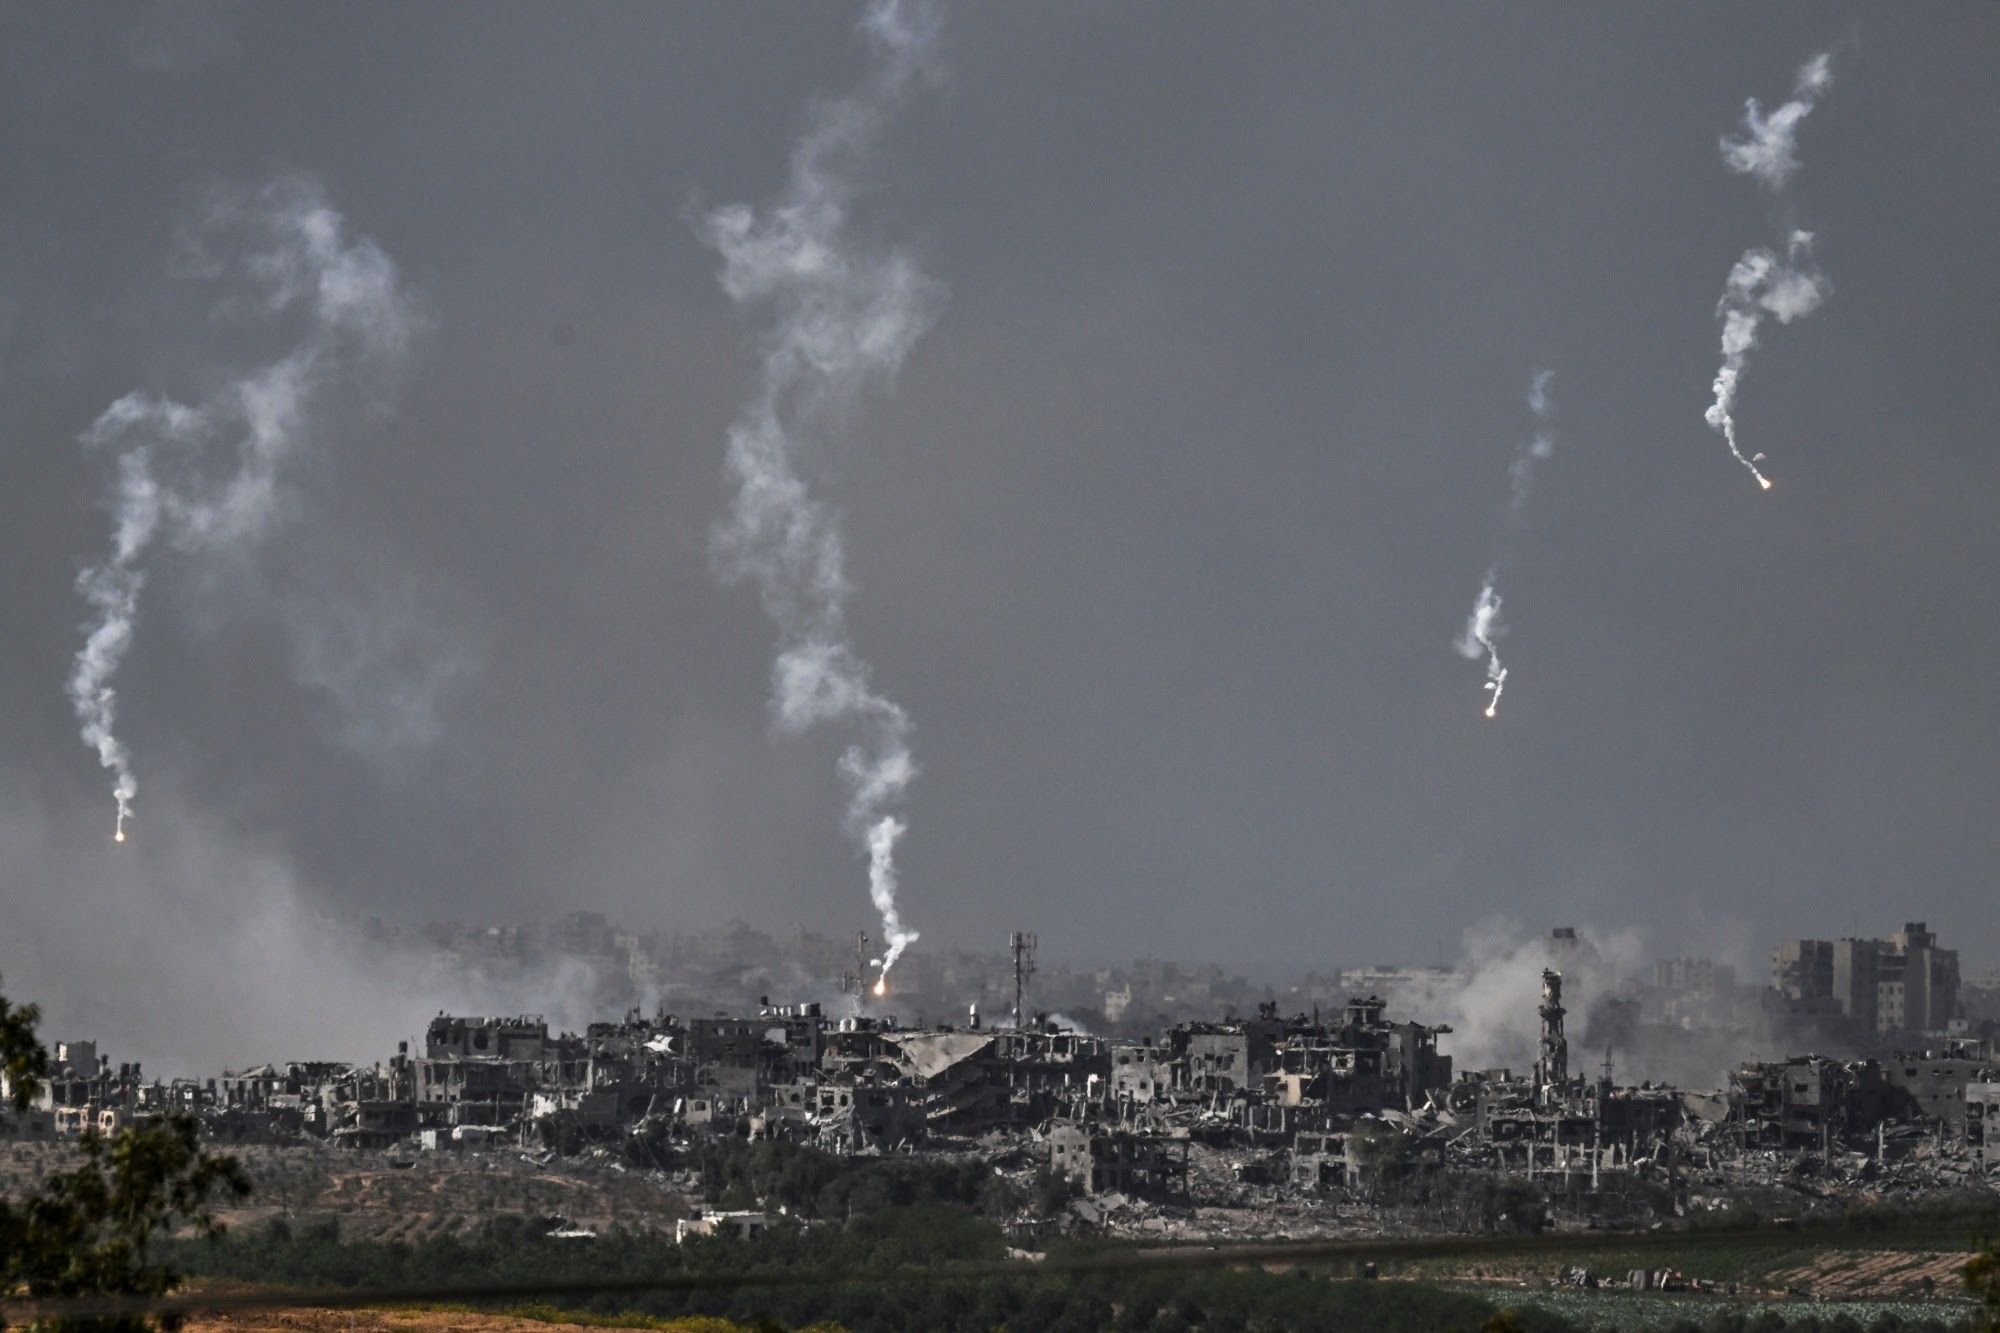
(845, 315)
(294, 250)
(1762, 283)
(1482, 627)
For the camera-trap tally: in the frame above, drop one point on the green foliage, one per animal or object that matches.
(1382, 1157)
(1470, 1201)
(814, 1184)
(895, 1237)
(1052, 1192)
(91, 1230)
(1982, 1279)
(22, 1058)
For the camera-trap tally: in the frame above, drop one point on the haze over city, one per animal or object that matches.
(1197, 369)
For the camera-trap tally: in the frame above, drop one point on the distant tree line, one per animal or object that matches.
(518, 1250)
(96, 1228)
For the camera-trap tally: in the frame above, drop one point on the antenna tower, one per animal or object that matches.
(1023, 944)
(854, 981)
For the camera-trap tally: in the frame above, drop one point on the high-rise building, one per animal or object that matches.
(1803, 969)
(1921, 978)
(1857, 966)
(1902, 984)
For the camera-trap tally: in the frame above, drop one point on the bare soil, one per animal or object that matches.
(378, 1197)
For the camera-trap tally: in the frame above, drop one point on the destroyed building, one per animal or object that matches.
(1101, 1160)
(1311, 1101)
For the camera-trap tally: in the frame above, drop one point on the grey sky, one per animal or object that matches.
(1162, 537)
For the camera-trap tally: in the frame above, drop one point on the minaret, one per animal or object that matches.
(1553, 1066)
(1023, 944)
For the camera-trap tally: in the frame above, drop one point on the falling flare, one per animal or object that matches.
(1720, 416)
(881, 987)
(846, 313)
(1764, 282)
(1482, 627)
(297, 253)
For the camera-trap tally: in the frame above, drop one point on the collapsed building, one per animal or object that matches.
(1813, 1103)
(1309, 1101)
(1553, 1123)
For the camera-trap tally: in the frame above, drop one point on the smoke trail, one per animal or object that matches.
(1761, 282)
(1769, 148)
(1484, 626)
(175, 476)
(1542, 444)
(845, 314)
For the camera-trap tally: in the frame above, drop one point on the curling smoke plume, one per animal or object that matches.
(1764, 282)
(845, 314)
(207, 477)
(1484, 627)
(1769, 148)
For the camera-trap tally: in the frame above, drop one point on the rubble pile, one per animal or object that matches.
(1251, 1126)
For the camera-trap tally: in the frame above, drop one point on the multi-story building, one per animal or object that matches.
(1982, 1121)
(1803, 969)
(1905, 983)
(1933, 1084)
(1697, 975)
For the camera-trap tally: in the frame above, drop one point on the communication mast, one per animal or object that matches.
(854, 981)
(1023, 944)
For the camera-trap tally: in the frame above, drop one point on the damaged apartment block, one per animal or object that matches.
(1305, 1104)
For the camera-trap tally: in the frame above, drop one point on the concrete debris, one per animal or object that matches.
(1271, 1118)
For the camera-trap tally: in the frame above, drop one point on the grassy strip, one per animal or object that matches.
(1716, 1256)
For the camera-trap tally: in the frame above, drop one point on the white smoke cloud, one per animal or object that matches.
(845, 314)
(1483, 627)
(1769, 147)
(1540, 447)
(208, 476)
(1491, 997)
(235, 964)
(1762, 283)
(382, 646)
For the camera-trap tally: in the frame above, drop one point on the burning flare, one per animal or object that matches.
(209, 476)
(1482, 627)
(1764, 282)
(845, 313)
